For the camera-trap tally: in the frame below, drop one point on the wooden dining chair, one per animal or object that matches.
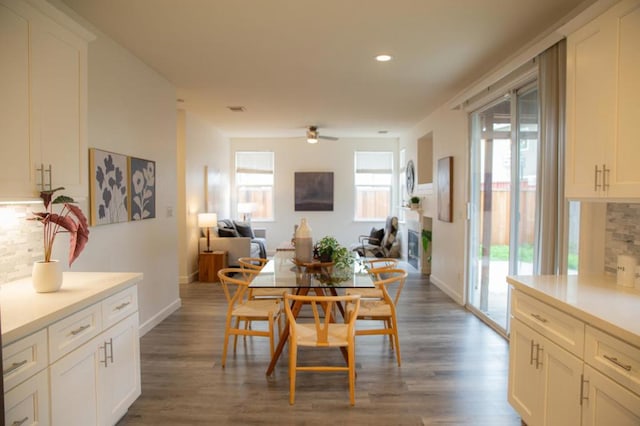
(376, 268)
(235, 282)
(385, 309)
(257, 263)
(322, 333)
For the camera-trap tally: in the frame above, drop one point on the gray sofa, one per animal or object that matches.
(238, 239)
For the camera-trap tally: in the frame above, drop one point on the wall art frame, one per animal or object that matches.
(108, 187)
(142, 180)
(313, 191)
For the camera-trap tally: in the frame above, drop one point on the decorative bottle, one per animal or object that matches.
(304, 242)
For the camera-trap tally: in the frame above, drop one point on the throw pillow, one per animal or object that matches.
(391, 229)
(244, 229)
(227, 232)
(377, 235)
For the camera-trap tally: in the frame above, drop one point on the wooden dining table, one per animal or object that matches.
(282, 271)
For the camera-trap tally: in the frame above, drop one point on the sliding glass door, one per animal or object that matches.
(504, 160)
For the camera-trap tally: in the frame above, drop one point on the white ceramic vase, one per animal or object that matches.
(46, 276)
(304, 242)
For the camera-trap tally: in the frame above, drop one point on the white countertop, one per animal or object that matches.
(594, 299)
(24, 311)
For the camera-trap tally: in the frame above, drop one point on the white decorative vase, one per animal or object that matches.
(46, 276)
(304, 242)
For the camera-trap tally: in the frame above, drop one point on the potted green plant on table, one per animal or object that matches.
(327, 249)
(47, 274)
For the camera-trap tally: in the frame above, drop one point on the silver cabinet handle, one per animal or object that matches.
(122, 305)
(539, 318)
(583, 395)
(618, 363)
(49, 185)
(538, 350)
(19, 422)
(104, 348)
(531, 353)
(80, 329)
(14, 367)
(596, 185)
(605, 177)
(110, 343)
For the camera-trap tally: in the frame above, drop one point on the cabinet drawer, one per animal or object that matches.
(24, 358)
(74, 330)
(613, 357)
(561, 328)
(28, 403)
(119, 306)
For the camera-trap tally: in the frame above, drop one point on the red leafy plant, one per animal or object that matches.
(70, 220)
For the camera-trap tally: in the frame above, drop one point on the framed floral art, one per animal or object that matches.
(142, 199)
(108, 187)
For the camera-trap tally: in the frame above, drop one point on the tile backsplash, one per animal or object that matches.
(622, 234)
(20, 242)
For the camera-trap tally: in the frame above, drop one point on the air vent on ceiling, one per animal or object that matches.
(237, 108)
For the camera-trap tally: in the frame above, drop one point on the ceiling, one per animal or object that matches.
(295, 63)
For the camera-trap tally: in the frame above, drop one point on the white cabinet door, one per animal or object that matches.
(28, 403)
(58, 67)
(75, 384)
(43, 69)
(121, 374)
(603, 106)
(607, 403)
(544, 379)
(15, 162)
(525, 381)
(590, 110)
(562, 373)
(624, 154)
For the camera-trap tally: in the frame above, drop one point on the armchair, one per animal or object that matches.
(380, 242)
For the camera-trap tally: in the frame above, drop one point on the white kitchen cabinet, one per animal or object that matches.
(103, 376)
(28, 403)
(574, 355)
(606, 402)
(544, 379)
(121, 372)
(603, 106)
(71, 357)
(43, 117)
(74, 386)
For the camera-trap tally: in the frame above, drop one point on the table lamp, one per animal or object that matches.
(207, 220)
(246, 209)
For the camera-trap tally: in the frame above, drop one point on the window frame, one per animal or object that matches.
(389, 185)
(271, 216)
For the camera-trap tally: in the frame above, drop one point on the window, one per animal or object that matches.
(254, 183)
(373, 180)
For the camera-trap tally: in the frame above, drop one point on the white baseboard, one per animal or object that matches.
(189, 278)
(159, 317)
(458, 298)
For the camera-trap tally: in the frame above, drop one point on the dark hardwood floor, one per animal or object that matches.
(454, 371)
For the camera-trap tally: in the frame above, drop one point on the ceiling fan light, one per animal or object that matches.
(383, 58)
(312, 140)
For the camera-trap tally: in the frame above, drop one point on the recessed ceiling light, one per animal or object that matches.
(383, 58)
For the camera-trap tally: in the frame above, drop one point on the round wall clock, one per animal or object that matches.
(411, 177)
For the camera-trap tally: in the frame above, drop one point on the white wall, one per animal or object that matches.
(296, 155)
(450, 138)
(132, 112)
(204, 162)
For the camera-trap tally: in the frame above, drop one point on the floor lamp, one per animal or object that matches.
(207, 220)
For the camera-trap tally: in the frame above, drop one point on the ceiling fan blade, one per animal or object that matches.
(329, 138)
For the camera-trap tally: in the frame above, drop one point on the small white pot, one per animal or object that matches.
(46, 276)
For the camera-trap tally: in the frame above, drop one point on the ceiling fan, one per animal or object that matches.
(313, 135)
